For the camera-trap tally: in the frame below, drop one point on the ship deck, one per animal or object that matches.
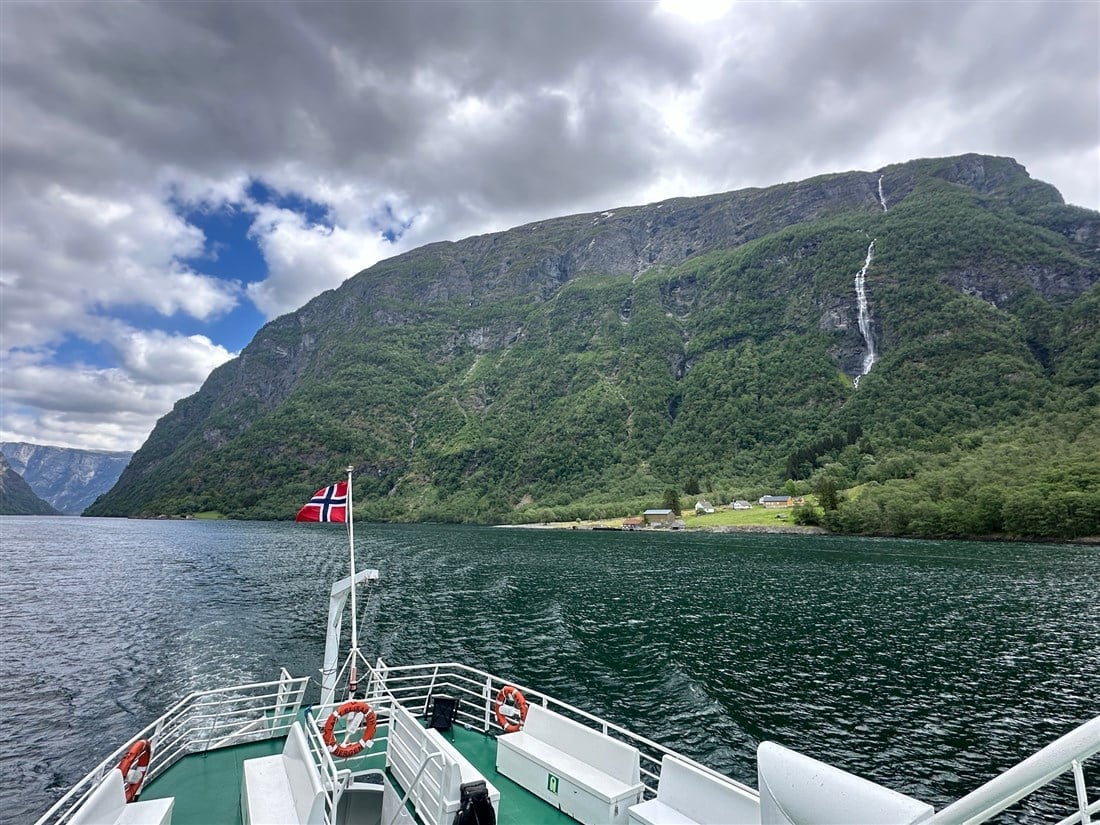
(207, 786)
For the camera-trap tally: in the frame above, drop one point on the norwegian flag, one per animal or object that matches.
(328, 504)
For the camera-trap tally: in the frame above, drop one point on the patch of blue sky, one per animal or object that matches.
(231, 255)
(313, 213)
(74, 350)
(229, 252)
(389, 225)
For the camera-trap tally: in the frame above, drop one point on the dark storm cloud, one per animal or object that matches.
(342, 88)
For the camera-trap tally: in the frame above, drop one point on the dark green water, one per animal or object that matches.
(927, 666)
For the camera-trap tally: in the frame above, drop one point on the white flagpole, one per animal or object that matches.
(351, 554)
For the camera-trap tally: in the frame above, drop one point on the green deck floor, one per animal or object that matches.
(517, 806)
(207, 787)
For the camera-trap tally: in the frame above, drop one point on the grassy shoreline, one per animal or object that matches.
(756, 520)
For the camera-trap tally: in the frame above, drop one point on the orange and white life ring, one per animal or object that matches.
(134, 766)
(369, 722)
(511, 693)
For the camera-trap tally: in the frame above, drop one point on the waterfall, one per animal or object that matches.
(881, 197)
(869, 356)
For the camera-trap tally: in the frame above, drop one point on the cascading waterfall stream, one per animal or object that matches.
(869, 356)
(881, 197)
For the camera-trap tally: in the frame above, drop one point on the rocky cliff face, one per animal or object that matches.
(536, 260)
(619, 337)
(69, 480)
(16, 496)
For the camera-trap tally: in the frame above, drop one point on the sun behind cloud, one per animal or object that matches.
(697, 11)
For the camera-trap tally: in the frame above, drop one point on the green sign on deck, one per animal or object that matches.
(551, 783)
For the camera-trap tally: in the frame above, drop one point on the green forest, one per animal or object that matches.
(487, 382)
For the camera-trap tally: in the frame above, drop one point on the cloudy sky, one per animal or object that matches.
(172, 175)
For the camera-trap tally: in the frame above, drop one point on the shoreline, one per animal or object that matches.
(794, 529)
(722, 528)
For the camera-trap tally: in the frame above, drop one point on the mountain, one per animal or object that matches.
(68, 479)
(580, 366)
(16, 496)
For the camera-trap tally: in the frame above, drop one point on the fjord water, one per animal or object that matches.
(926, 666)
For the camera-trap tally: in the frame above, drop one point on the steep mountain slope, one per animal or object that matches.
(16, 496)
(66, 478)
(579, 366)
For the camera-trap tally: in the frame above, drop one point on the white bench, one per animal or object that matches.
(437, 793)
(797, 790)
(285, 788)
(687, 795)
(577, 769)
(107, 805)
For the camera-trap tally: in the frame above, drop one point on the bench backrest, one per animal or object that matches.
(305, 779)
(797, 789)
(437, 795)
(466, 772)
(615, 758)
(703, 797)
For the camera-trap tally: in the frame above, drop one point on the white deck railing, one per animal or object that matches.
(412, 686)
(334, 780)
(203, 721)
(214, 719)
(1066, 754)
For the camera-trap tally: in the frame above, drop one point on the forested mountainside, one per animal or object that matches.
(16, 496)
(578, 367)
(66, 478)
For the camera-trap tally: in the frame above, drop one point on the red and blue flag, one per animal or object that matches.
(328, 504)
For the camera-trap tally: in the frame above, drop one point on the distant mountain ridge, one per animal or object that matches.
(578, 367)
(16, 496)
(68, 479)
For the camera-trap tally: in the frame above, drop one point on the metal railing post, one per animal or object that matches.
(1082, 794)
(488, 697)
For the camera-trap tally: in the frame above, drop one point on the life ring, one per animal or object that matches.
(512, 692)
(370, 725)
(134, 766)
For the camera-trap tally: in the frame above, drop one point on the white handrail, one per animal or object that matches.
(1017, 782)
(172, 734)
(405, 684)
(399, 681)
(335, 781)
(431, 757)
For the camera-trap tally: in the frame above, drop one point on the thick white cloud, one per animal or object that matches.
(103, 408)
(154, 357)
(68, 255)
(426, 121)
(305, 258)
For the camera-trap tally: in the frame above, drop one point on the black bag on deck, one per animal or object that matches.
(475, 807)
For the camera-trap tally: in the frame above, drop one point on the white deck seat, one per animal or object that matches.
(107, 805)
(799, 790)
(437, 796)
(467, 773)
(687, 795)
(285, 788)
(582, 771)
